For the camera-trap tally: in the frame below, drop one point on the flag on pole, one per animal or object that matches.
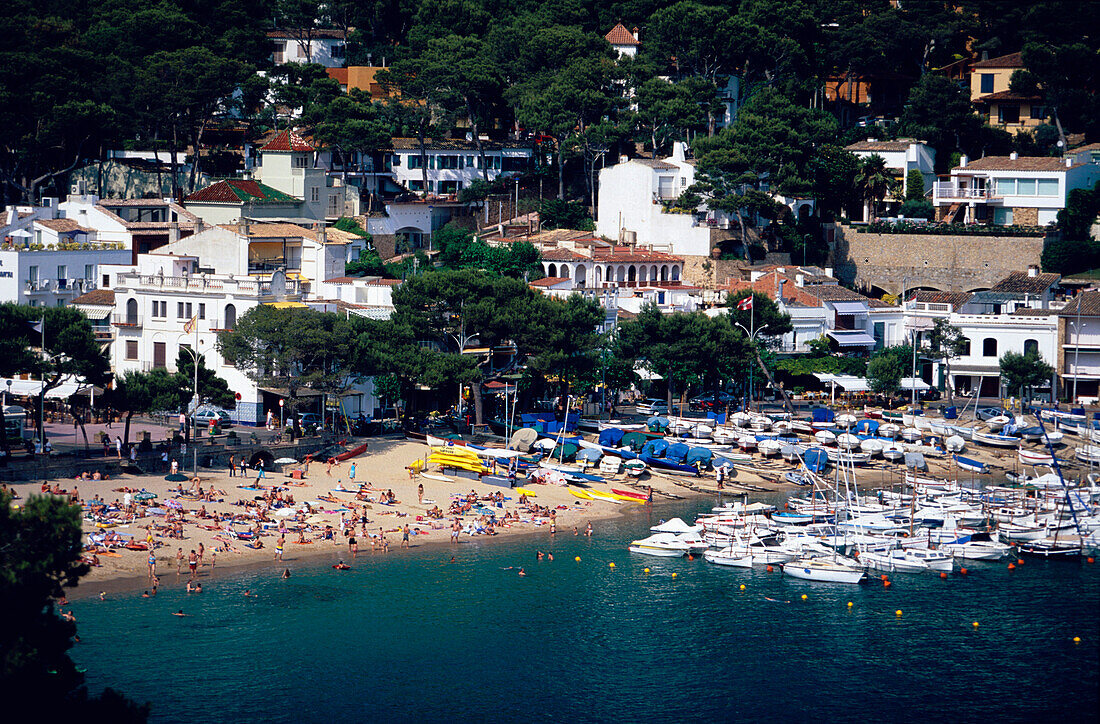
(37, 326)
(745, 304)
(189, 326)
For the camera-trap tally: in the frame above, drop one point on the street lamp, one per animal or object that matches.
(752, 336)
(194, 400)
(7, 397)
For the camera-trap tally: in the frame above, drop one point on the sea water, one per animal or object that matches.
(411, 636)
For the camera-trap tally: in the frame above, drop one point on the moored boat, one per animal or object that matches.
(823, 570)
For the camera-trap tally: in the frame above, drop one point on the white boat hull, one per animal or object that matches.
(823, 571)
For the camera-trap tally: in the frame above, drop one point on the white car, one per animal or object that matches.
(653, 406)
(204, 415)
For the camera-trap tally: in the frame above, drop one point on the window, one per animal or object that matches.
(131, 349)
(987, 82)
(414, 162)
(964, 348)
(1006, 187)
(89, 272)
(1025, 187)
(132, 311)
(395, 159)
(338, 51)
(314, 194)
(1038, 113)
(1048, 187)
(989, 347)
(1008, 115)
(61, 302)
(107, 280)
(62, 273)
(202, 310)
(187, 309)
(416, 185)
(470, 162)
(1002, 217)
(160, 355)
(179, 310)
(230, 317)
(32, 274)
(299, 160)
(1031, 346)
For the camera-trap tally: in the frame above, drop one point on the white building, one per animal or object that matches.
(54, 277)
(325, 46)
(1005, 190)
(623, 41)
(901, 157)
(453, 165)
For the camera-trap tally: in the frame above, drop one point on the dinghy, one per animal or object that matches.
(971, 465)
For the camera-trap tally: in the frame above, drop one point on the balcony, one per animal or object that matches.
(954, 192)
(126, 321)
(222, 325)
(200, 285)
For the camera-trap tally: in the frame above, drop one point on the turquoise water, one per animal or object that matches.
(410, 636)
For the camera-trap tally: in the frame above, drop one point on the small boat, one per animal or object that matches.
(892, 561)
(746, 442)
(911, 434)
(1032, 457)
(797, 478)
(846, 420)
(769, 448)
(663, 545)
(816, 459)
(582, 494)
(825, 437)
(871, 446)
(915, 461)
(823, 569)
(971, 465)
(853, 458)
(736, 557)
(893, 453)
(792, 453)
(976, 547)
(996, 440)
(1067, 547)
(630, 494)
(601, 495)
(867, 426)
(634, 468)
(934, 560)
(998, 422)
(1088, 454)
(677, 526)
(847, 441)
(888, 430)
(610, 465)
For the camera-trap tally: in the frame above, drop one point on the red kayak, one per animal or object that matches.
(353, 452)
(631, 494)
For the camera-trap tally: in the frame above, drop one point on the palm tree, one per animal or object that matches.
(874, 180)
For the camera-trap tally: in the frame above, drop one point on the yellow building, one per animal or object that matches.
(989, 92)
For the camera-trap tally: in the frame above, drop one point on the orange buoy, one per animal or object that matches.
(691, 557)
(1090, 559)
(885, 584)
(1019, 561)
(884, 577)
(769, 569)
(943, 574)
(1011, 566)
(963, 571)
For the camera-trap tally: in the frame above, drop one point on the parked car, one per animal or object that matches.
(205, 414)
(706, 402)
(930, 395)
(309, 418)
(652, 406)
(986, 413)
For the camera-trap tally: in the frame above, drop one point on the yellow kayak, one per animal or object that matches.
(600, 495)
(582, 494)
(625, 498)
(528, 493)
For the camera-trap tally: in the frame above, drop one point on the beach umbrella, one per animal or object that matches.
(284, 512)
(175, 478)
(285, 461)
(174, 504)
(523, 438)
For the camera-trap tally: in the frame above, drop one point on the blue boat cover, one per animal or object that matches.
(823, 414)
(677, 452)
(611, 437)
(699, 455)
(867, 426)
(655, 448)
(816, 459)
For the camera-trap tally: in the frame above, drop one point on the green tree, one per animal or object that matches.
(939, 112)
(764, 320)
(1020, 372)
(666, 111)
(137, 393)
(874, 181)
(887, 367)
(564, 341)
(946, 342)
(213, 390)
(914, 185)
(39, 559)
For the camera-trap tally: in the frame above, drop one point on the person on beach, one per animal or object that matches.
(455, 530)
(232, 466)
(279, 547)
(588, 529)
(156, 585)
(202, 551)
(118, 446)
(213, 559)
(260, 472)
(385, 544)
(353, 546)
(179, 562)
(405, 536)
(152, 565)
(420, 494)
(133, 454)
(175, 467)
(351, 472)
(193, 563)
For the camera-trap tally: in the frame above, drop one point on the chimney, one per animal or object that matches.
(963, 160)
(623, 159)
(1013, 156)
(242, 227)
(779, 289)
(635, 33)
(199, 225)
(1069, 162)
(322, 233)
(1033, 271)
(800, 280)
(828, 271)
(173, 232)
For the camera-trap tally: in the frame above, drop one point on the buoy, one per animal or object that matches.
(963, 571)
(884, 577)
(610, 565)
(1011, 566)
(1019, 561)
(742, 586)
(645, 570)
(898, 612)
(1076, 639)
(804, 596)
(975, 624)
(691, 557)
(849, 604)
(769, 569)
(943, 574)
(1090, 559)
(885, 584)
(675, 574)
(577, 559)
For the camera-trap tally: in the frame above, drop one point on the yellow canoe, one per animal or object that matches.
(600, 495)
(525, 491)
(582, 494)
(625, 498)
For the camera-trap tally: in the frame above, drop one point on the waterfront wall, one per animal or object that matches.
(949, 263)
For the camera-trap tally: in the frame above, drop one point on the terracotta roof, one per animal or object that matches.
(315, 33)
(341, 280)
(454, 144)
(104, 297)
(64, 226)
(1012, 60)
(287, 141)
(563, 255)
(622, 254)
(834, 293)
(955, 299)
(1089, 303)
(1029, 312)
(1020, 283)
(1023, 163)
(236, 191)
(653, 163)
(619, 35)
(1089, 147)
(1007, 96)
(898, 145)
(278, 231)
(548, 281)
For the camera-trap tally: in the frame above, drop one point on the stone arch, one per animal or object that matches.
(989, 347)
(552, 270)
(579, 276)
(653, 274)
(620, 274)
(132, 311)
(632, 273)
(268, 458)
(609, 276)
(642, 273)
(599, 275)
(675, 272)
(1031, 345)
(664, 272)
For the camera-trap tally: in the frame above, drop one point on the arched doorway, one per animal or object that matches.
(632, 274)
(230, 321)
(599, 275)
(664, 272)
(579, 275)
(552, 270)
(132, 312)
(675, 273)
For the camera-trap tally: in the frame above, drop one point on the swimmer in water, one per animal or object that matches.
(179, 613)
(286, 573)
(248, 593)
(521, 572)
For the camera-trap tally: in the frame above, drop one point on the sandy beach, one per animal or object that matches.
(384, 467)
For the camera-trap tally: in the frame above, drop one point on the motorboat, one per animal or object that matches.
(976, 547)
(675, 526)
(871, 446)
(934, 559)
(896, 560)
(733, 556)
(971, 465)
(664, 545)
(694, 541)
(1032, 457)
(893, 453)
(996, 440)
(769, 448)
(823, 570)
(888, 430)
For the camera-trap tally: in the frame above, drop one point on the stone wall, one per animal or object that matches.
(706, 272)
(948, 263)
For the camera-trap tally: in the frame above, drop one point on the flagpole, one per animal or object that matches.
(752, 326)
(42, 394)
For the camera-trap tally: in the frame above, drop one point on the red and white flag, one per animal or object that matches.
(745, 304)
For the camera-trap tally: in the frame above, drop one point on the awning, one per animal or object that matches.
(851, 339)
(850, 307)
(288, 305)
(908, 383)
(94, 311)
(32, 388)
(850, 383)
